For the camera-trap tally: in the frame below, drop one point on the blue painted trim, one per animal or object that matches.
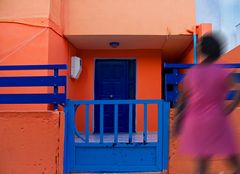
(145, 124)
(34, 67)
(115, 169)
(231, 94)
(115, 123)
(112, 102)
(160, 135)
(32, 81)
(236, 77)
(55, 87)
(101, 122)
(174, 79)
(130, 122)
(195, 48)
(150, 144)
(78, 134)
(32, 98)
(69, 147)
(186, 66)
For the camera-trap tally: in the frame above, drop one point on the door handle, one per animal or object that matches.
(111, 96)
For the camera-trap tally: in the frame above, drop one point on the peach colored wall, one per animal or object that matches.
(31, 142)
(135, 17)
(56, 12)
(185, 165)
(32, 9)
(149, 81)
(12, 9)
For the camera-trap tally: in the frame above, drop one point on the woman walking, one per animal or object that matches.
(202, 121)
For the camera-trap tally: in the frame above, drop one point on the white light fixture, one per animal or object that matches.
(76, 67)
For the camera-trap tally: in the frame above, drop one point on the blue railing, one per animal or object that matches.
(77, 143)
(116, 103)
(173, 78)
(54, 81)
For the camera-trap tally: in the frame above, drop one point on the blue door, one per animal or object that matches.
(114, 80)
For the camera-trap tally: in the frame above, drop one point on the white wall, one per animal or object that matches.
(224, 15)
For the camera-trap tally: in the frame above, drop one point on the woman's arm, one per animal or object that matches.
(180, 106)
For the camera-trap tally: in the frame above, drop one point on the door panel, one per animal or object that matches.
(112, 83)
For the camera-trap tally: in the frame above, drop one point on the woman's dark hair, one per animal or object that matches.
(212, 46)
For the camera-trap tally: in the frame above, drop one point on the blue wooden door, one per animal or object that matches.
(113, 81)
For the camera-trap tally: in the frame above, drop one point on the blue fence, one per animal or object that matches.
(54, 81)
(173, 78)
(84, 155)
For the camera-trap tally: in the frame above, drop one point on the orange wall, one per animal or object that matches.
(232, 56)
(23, 44)
(148, 66)
(31, 142)
(29, 45)
(31, 39)
(135, 17)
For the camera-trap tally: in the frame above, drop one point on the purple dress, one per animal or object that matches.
(206, 130)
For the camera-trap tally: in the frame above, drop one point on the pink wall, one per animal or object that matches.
(31, 142)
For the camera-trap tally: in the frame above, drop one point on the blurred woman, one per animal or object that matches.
(202, 115)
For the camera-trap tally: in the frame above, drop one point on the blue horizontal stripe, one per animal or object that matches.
(32, 98)
(231, 95)
(186, 66)
(172, 79)
(115, 169)
(110, 102)
(119, 144)
(34, 67)
(236, 77)
(33, 81)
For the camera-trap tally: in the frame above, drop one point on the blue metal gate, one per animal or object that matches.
(117, 152)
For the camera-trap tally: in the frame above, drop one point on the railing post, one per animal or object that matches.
(175, 86)
(130, 122)
(55, 87)
(160, 136)
(166, 109)
(69, 150)
(145, 124)
(115, 123)
(101, 122)
(87, 123)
